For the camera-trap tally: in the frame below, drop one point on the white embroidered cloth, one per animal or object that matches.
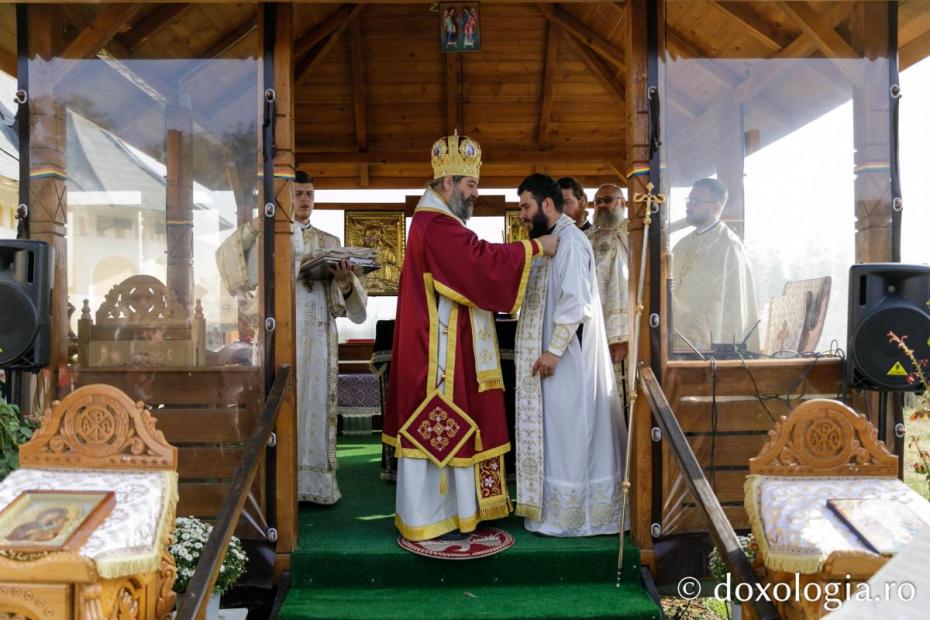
(798, 531)
(129, 539)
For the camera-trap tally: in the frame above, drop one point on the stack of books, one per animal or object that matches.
(317, 264)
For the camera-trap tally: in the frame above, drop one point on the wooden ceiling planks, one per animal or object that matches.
(387, 86)
(8, 39)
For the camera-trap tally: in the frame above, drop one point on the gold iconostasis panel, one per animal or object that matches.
(385, 232)
(514, 228)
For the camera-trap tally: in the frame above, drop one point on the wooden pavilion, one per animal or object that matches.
(355, 94)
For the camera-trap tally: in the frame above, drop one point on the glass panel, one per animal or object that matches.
(799, 138)
(776, 167)
(146, 145)
(9, 158)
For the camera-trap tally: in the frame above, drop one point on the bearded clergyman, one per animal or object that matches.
(445, 415)
(611, 247)
(570, 431)
(713, 299)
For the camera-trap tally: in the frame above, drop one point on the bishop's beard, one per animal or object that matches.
(460, 207)
(608, 218)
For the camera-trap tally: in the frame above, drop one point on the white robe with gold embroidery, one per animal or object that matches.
(572, 422)
(316, 310)
(713, 299)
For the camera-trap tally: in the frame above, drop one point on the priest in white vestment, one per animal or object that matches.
(570, 432)
(317, 305)
(713, 299)
(611, 246)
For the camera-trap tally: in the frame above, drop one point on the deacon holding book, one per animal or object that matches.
(318, 304)
(570, 429)
(445, 413)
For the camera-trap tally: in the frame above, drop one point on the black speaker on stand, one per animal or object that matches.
(887, 300)
(25, 304)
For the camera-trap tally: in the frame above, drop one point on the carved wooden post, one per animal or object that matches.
(180, 203)
(48, 203)
(871, 137)
(872, 150)
(637, 140)
(730, 161)
(285, 278)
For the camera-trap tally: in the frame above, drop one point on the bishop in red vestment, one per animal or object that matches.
(445, 413)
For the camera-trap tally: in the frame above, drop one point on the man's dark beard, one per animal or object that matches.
(460, 207)
(539, 225)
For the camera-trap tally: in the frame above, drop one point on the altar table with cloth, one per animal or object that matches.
(97, 439)
(821, 451)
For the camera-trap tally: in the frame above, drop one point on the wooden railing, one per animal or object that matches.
(192, 604)
(718, 525)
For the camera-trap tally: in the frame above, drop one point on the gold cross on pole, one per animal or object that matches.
(651, 199)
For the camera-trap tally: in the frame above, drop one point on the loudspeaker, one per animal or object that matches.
(26, 269)
(886, 298)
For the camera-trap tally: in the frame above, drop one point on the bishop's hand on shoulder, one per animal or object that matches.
(549, 244)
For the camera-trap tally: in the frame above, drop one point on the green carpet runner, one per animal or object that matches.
(348, 565)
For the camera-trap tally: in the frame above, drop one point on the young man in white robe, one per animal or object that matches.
(713, 298)
(317, 305)
(570, 432)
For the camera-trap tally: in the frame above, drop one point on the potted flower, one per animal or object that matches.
(190, 539)
(15, 430)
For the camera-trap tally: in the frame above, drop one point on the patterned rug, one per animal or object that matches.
(481, 543)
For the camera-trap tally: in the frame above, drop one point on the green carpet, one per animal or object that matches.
(348, 565)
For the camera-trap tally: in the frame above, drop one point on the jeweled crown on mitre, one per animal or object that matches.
(456, 155)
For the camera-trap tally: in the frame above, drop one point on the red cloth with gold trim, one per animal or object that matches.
(491, 276)
(438, 428)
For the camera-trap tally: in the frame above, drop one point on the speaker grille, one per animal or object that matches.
(18, 323)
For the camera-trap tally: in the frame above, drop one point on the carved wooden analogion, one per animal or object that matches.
(96, 427)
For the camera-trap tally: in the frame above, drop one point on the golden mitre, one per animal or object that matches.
(456, 155)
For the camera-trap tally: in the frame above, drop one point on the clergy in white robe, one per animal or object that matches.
(713, 299)
(317, 306)
(611, 247)
(570, 432)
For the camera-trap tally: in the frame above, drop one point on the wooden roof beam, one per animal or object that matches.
(914, 51)
(358, 96)
(611, 83)
(455, 113)
(677, 42)
(320, 31)
(230, 39)
(152, 24)
(99, 32)
(548, 85)
(8, 62)
(812, 24)
(585, 35)
(752, 23)
(312, 61)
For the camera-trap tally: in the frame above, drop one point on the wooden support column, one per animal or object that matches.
(871, 138)
(48, 203)
(730, 161)
(284, 280)
(179, 186)
(637, 140)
